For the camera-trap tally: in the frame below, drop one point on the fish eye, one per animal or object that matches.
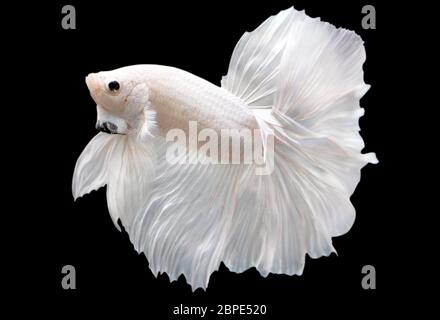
(113, 86)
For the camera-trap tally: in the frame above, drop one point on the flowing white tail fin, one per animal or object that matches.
(303, 80)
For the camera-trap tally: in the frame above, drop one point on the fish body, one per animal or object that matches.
(176, 98)
(295, 80)
(179, 97)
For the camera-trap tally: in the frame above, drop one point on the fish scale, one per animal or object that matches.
(179, 96)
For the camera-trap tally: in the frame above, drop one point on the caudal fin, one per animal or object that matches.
(303, 79)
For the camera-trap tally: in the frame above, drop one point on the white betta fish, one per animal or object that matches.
(298, 81)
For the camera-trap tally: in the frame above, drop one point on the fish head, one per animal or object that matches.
(120, 100)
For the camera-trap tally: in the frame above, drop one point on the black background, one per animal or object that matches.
(199, 38)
